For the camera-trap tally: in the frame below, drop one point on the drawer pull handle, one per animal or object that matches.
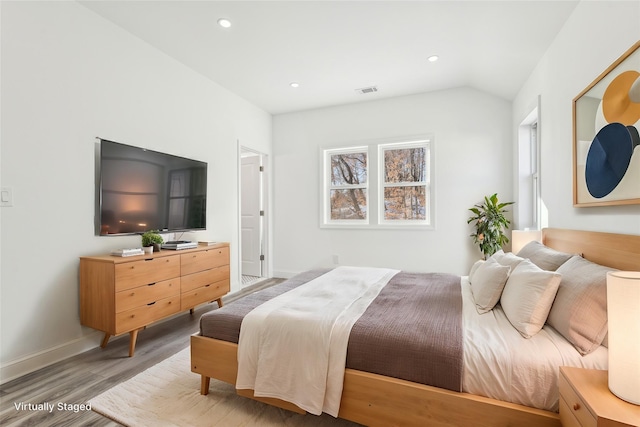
(151, 284)
(148, 259)
(151, 303)
(206, 286)
(576, 406)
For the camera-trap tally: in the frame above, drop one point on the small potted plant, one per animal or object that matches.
(490, 224)
(151, 238)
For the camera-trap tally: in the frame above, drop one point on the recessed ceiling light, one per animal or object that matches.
(432, 58)
(224, 22)
(294, 84)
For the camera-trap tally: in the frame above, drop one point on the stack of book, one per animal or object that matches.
(127, 252)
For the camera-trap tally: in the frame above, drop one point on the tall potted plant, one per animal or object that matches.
(490, 224)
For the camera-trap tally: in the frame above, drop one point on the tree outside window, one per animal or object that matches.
(402, 188)
(348, 191)
(404, 184)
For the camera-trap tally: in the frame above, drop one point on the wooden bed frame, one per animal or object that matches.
(376, 400)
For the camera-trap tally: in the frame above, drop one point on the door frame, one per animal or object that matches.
(264, 186)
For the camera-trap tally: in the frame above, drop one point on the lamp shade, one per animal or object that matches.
(519, 238)
(623, 311)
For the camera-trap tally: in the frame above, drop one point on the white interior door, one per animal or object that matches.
(251, 220)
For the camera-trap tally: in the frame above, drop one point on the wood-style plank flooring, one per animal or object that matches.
(76, 380)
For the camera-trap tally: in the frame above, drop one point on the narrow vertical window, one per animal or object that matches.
(348, 188)
(535, 177)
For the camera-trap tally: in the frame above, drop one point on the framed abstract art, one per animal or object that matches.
(606, 126)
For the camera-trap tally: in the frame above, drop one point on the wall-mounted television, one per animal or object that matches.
(140, 190)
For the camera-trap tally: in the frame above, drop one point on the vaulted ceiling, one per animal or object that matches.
(332, 48)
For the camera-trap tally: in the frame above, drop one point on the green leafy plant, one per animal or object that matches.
(490, 224)
(151, 237)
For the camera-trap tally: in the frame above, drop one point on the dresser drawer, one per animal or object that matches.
(198, 280)
(146, 314)
(143, 295)
(574, 406)
(204, 260)
(566, 415)
(204, 294)
(142, 272)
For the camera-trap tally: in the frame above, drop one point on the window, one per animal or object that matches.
(535, 178)
(399, 175)
(348, 190)
(529, 207)
(404, 183)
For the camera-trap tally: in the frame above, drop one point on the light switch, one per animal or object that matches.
(6, 196)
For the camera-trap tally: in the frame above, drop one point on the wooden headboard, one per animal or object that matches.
(621, 251)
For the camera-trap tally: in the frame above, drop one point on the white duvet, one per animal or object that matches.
(280, 339)
(501, 364)
(294, 347)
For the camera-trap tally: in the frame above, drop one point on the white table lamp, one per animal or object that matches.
(623, 310)
(519, 238)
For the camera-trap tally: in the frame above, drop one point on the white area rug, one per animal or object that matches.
(168, 394)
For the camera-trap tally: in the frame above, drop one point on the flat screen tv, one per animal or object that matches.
(140, 190)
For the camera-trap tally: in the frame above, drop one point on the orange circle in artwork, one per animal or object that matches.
(617, 107)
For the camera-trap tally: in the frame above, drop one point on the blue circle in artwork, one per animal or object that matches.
(608, 159)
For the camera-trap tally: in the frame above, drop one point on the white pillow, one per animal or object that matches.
(528, 296)
(508, 258)
(474, 268)
(488, 281)
(543, 256)
(579, 312)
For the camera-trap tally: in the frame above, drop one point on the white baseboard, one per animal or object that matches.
(30, 363)
(285, 274)
(24, 365)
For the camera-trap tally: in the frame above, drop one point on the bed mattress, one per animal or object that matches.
(381, 342)
(496, 361)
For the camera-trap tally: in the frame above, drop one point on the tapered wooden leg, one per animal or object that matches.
(219, 302)
(204, 385)
(105, 340)
(133, 336)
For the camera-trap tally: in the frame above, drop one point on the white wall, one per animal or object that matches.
(472, 159)
(595, 35)
(68, 76)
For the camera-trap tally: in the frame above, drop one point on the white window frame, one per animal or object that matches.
(327, 187)
(382, 184)
(535, 174)
(529, 209)
(375, 186)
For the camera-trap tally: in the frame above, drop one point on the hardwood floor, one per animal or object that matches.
(76, 380)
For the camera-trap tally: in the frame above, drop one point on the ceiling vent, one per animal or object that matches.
(365, 90)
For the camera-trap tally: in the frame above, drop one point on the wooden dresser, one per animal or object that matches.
(125, 294)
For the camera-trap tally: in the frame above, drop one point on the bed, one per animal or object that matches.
(374, 399)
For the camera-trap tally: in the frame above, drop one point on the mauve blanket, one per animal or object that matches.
(411, 331)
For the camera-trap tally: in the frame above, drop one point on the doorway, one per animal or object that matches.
(252, 216)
